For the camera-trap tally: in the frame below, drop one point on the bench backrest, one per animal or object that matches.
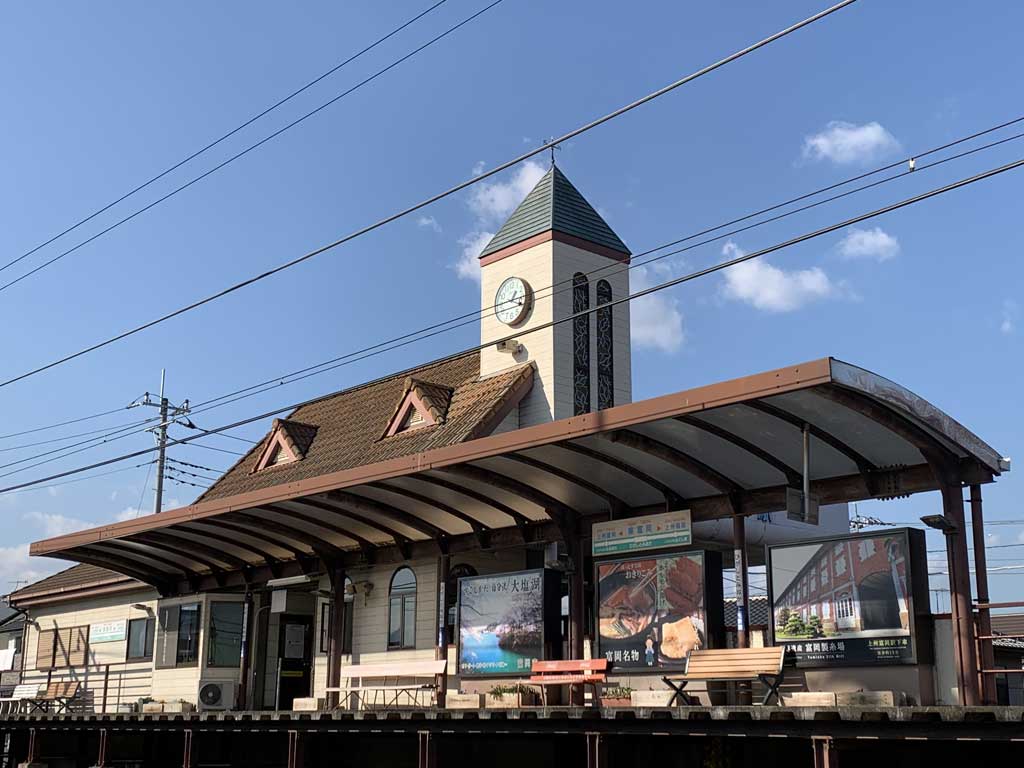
(430, 668)
(25, 691)
(737, 663)
(66, 689)
(570, 667)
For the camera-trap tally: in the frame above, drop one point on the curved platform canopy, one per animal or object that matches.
(729, 448)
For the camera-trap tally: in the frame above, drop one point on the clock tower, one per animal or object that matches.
(553, 258)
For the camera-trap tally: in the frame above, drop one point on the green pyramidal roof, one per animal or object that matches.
(555, 204)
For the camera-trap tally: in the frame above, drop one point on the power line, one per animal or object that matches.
(194, 466)
(439, 328)
(196, 444)
(63, 423)
(87, 477)
(568, 318)
(435, 198)
(224, 137)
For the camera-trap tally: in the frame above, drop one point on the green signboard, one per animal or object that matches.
(638, 534)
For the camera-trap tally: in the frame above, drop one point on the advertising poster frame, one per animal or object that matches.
(861, 650)
(551, 634)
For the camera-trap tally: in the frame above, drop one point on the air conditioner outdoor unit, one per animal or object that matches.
(216, 695)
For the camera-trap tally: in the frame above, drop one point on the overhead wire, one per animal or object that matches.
(208, 147)
(438, 328)
(583, 313)
(434, 198)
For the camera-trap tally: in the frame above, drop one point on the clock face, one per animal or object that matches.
(512, 301)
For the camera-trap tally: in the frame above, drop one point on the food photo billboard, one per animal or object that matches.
(506, 622)
(850, 600)
(651, 610)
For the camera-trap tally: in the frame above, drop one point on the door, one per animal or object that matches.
(295, 659)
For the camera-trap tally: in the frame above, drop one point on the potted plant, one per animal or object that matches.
(511, 696)
(619, 696)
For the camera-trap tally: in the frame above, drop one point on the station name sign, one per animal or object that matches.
(108, 631)
(639, 534)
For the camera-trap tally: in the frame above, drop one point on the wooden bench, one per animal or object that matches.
(581, 672)
(410, 678)
(57, 698)
(19, 698)
(731, 665)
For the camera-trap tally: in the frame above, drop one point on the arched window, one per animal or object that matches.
(605, 352)
(402, 610)
(451, 596)
(580, 345)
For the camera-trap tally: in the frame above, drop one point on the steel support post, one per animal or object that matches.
(441, 651)
(296, 749)
(739, 536)
(575, 547)
(597, 751)
(825, 753)
(986, 652)
(186, 760)
(101, 753)
(242, 702)
(32, 753)
(427, 754)
(960, 594)
(337, 643)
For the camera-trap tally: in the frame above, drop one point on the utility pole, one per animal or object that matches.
(168, 413)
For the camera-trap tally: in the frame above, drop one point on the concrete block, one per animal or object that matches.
(809, 699)
(464, 700)
(871, 699)
(651, 698)
(308, 704)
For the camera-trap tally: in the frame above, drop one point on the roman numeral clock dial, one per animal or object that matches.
(513, 300)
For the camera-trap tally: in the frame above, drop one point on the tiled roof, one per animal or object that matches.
(349, 424)
(297, 435)
(1008, 623)
(555, 204)
(73, 579)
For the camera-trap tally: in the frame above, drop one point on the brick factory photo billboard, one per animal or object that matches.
(506, 622)
(651, 610)
(849, 600)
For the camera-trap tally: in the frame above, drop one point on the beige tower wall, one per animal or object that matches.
(534, 265)
(543, 266)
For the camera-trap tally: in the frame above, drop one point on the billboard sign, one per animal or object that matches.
(504, 621)
(637, 534)
(651, 610)
(108, 631)
(848, 600)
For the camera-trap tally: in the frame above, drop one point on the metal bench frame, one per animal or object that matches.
(771, 680)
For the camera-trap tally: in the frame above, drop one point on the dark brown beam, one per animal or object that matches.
(161, 583)
(559, 511)
(399, 538)
(330, 525)
(170, 537)
(469, 493)
(677, 458)
(448, 509)
(672, 499)
(792, 475)
(175, 548)
(365, 505)
(111, 547)
(228, 525)
(865, 465)
(321, 547)
(614, 502)
(259, 552)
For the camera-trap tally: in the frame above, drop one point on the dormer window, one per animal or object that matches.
(422, 405)
(287, 442)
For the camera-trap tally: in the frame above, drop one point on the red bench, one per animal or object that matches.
(581, 672)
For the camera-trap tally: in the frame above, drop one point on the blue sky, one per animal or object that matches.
(101, 96)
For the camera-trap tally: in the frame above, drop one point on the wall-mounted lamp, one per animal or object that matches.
(939, 523)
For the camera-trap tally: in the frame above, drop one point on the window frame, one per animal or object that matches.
(149, 638)
(194, 662)
(327, 624)
(213, 606)
(403, 598)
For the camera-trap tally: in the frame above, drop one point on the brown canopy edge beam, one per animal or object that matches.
(161, 582)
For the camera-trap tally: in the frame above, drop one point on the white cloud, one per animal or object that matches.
(1008, 321)
(494, 201)
(491, 203)
(16, 567)
(52, 491)
(874, 244)
(846, 143)
(428, 222)
(770, 288)
(55, 524)
(478, 167)
(468, 264)
(655, 320)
